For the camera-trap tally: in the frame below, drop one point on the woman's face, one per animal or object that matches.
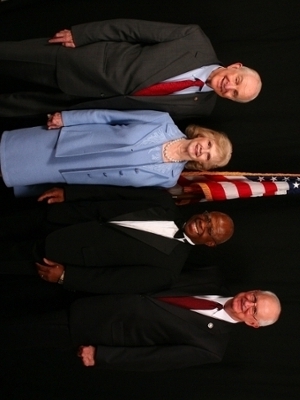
(202, 149)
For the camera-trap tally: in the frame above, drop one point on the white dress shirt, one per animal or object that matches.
(162, 228)
(198, 73)
(215, 313)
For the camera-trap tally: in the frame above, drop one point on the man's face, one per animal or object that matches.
(234, 83)
(209, 228)
(251, 307)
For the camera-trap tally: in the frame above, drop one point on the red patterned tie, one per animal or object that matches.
(191, 303)
(165, 88)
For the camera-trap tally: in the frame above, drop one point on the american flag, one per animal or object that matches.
(195, 186)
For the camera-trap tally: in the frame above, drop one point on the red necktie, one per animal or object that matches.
(191, 303)
(165, 88)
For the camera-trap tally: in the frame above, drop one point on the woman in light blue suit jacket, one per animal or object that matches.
(109, 147)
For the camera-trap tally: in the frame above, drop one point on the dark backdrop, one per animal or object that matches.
(260, 364)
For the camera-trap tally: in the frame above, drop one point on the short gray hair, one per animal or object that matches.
(276, 300)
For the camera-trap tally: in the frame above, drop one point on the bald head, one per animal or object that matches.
(235, 82)
(272, 308)
(255, 308)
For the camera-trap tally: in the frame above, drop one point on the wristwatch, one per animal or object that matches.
(61, 279)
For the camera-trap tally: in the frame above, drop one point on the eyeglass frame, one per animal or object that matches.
(254, 307)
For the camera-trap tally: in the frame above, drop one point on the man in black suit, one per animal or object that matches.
(145, 332)
(106, 239)
(106, 64)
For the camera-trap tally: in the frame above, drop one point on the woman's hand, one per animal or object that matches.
(54, 121)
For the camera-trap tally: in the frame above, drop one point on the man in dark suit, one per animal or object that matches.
(106, 239)
(146, 332)
(113, 64)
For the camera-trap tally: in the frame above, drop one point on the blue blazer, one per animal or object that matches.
(103, 147)
(126, 143)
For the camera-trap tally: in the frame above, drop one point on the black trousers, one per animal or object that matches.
(34, 63)
(19, 231)
(31, 60)
(33, 314)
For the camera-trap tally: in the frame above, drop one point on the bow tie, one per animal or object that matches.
(179, 234)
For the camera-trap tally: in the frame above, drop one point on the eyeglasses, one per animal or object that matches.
(209, 228)
(252, 297)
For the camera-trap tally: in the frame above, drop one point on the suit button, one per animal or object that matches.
(195, 98)
(105, 174)
(210, 325)
(102, 94)
(120, 172)
(136, 170)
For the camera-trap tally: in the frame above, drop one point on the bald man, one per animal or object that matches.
(186, 325)
(123, 64)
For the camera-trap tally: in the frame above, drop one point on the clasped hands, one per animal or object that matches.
(50, 271)
(54, 121)
(63, 37)
(87, 355)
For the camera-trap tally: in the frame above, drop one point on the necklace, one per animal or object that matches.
(165, 150)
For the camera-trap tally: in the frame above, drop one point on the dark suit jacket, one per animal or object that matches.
(105, 258)
(138, 332)
(115, 58)
(112, 60)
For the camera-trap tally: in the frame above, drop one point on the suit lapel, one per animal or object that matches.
(209, 324)
(164, 244)
(184, 63)
(202, 281)
(150, 214)
(161, 243)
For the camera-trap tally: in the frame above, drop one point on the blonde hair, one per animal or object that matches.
(222, 143)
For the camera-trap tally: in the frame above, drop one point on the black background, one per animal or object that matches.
(260, 364)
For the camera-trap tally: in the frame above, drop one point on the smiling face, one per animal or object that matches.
(203, 150)
(210, 229)
(216, 150)
(252, 307)
(235, 82)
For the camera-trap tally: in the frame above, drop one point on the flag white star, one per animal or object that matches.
(261, 178)
(273, 179)
(296, 185)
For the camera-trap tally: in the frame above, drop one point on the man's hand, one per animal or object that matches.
(55, 195)
(64, 37)
(51, 271)
(54, 121)
(87, 355)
